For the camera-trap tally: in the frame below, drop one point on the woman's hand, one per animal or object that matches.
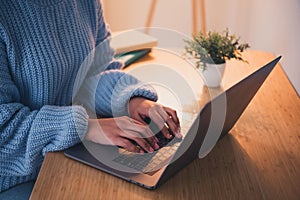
(165, 118)
(122, 132)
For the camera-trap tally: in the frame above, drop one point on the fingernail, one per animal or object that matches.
(169, 136)
(178, 135)
(151, 149)
(141, 151)
(156, 146)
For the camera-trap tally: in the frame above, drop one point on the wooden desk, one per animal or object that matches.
(259, 159)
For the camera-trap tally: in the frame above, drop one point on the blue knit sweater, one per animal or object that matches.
(56, 66)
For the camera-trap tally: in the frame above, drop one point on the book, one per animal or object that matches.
(132, 40)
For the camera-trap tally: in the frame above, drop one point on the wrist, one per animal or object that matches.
(93, 130)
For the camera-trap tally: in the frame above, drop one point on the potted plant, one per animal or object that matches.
(210, 53)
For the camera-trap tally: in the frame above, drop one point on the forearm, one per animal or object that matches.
(113, 90)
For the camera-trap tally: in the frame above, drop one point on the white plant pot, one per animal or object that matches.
(213, 74)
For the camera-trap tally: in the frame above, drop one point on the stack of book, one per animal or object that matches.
(131, 45)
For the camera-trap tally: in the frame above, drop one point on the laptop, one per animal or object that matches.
(213, 122)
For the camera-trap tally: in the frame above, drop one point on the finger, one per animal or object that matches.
(173, 114)
(128, 145)
(140, 119)
(162, 125)
(133, 129)
(166, 131)
(148, 144)
(173, 127)
(142, 142)
(126, 123)
(143, 131)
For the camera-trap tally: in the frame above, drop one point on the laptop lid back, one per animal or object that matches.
(198, 141)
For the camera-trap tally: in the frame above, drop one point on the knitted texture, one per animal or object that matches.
(43, 45)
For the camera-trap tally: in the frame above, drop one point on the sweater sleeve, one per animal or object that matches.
(25, 134)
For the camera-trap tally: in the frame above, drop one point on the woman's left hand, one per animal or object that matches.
(165, 118)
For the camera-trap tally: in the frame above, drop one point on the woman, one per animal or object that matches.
(43, 45)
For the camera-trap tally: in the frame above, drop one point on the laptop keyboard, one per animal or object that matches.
(149, 162)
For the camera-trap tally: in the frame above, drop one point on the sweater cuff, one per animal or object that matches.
(120, 102)
(80, 121)
(144, 90)
(115, 89)
(57, 127)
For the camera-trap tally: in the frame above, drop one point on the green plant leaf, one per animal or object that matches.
(214, 48)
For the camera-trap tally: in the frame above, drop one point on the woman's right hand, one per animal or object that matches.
(121, 131)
